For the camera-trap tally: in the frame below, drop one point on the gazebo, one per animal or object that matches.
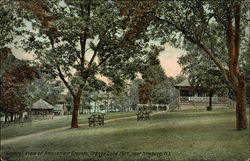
(41, 108)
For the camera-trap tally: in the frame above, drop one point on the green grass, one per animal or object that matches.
(185, 135)
(57, 122)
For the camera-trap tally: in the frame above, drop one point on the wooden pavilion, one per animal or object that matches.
(187, 90)
(40, 109)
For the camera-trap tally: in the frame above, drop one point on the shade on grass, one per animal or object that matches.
(58, 122)
(186, 135)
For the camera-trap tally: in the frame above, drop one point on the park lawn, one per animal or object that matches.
(58, 122)
(185, 135)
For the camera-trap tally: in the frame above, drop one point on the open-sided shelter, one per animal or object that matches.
(40, 108)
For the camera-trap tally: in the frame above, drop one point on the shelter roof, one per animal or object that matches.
(41, 104)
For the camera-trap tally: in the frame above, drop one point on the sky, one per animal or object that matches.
(168, 59)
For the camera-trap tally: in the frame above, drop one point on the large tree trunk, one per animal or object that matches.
(209, 108)
(241, 114)
(77, 100)
(11, 117)
(236, 77)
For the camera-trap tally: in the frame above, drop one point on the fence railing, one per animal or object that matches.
(175, 104)
(215, 100)
(231, 103)
(154, 107)
(203, 99)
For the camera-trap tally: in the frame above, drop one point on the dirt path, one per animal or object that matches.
(18, 138)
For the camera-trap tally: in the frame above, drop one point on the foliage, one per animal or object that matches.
(77, 40)
(216, 27)
(8, 24)
(99, 25)
(13, 73)
(178, 79)
(202, 23)
(44, 88)
(202, 71)
(133, 93)
(11, 97)
(245, 63)
(163, 93)
(156, 87)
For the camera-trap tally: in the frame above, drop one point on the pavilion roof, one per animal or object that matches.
(41, 104)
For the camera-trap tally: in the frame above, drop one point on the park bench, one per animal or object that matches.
(143, 115)
(96, 119)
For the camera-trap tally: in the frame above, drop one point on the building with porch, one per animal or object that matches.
(187, 90)
(192, 97)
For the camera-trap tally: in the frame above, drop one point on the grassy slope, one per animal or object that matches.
(57, 122)
(187, 135)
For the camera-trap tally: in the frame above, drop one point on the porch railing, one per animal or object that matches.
(203, 99)
(215, 100)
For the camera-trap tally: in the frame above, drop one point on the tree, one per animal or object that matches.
(11, 98)
(155, 86)
(245, 63)
(68, 34)
(209, 23)
(178, 79)
(202, 72)
(85, 101)
(161, 93)
(43, 88)
(133, 94)
(8, 27)
(14, 73)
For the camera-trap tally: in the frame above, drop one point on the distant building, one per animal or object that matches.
(59, 109)
(60, 106)
(40, 109)
(192, 97)
(187, 90)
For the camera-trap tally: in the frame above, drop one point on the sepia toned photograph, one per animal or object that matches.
(124, 80)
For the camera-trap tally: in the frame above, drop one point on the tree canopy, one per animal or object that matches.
(78, 40)
(216, 27)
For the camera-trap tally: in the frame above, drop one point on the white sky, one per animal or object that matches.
(169, 58)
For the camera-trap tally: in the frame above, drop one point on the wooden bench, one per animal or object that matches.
(143, 115)
(146, 115)
(96, 119)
